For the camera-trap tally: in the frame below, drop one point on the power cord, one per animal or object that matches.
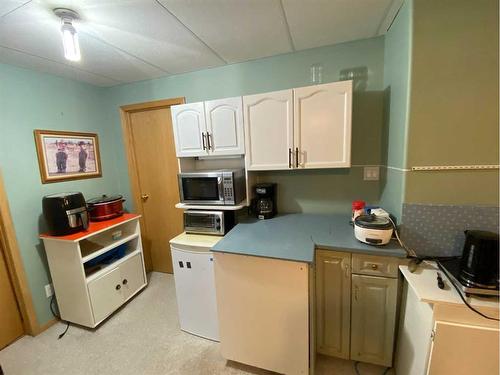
(358, 373)
(52, 300)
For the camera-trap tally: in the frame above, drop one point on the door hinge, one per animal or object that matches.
(433, 335)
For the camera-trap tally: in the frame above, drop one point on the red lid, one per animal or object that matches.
(358, 205)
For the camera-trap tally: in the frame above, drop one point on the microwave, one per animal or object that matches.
(214, 187)
(208, 222)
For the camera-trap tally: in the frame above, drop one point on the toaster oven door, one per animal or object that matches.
(204, 222)
(197, 188)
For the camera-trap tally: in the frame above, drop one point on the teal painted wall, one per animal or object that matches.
(397, 71)
(29, 101)
(334, 190)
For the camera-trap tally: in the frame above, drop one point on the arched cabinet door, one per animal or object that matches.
(322, 125)
(269, 130)
(188, 121)
(225, 132)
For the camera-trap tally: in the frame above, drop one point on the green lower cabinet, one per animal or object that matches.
(373, 318)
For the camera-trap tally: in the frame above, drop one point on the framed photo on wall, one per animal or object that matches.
(66, 155)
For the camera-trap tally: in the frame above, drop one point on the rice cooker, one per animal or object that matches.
(372, 229)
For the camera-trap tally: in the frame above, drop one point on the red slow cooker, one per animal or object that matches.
(105, 208)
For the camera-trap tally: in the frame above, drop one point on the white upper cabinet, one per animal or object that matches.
(188, 121)
(322, 125)
(209, 128)
(269, 130)
(224, 119)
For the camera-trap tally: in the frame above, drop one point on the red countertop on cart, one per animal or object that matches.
(94, 227)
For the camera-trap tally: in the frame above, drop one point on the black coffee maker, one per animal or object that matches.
(264, 203)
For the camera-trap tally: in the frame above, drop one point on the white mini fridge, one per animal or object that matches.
(195, 284)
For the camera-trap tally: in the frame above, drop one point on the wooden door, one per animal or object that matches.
(11, 325)
(190, 129)
(373, 319)
(153, 168)
(462, 349)
(333, 302)
(224, 119)
(268, 122)
(322, 125)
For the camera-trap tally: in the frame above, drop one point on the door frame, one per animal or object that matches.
(125, 112)
(15, 268)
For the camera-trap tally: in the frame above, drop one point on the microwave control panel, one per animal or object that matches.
(228, 190)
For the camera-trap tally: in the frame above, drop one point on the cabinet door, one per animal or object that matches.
(373, 319)
(225, 126)
(132, 275)
(463, 349)
(188, 121)
(268, 130)
(333, 302)
(263, 307)
(106, 294)
(322, 125)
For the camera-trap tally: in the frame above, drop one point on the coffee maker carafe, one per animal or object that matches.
(264, 203)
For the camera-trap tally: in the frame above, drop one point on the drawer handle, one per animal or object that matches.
(118, 287)
(125, 281)
(374, 267)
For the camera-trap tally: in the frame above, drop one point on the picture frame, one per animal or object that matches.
(65, 155)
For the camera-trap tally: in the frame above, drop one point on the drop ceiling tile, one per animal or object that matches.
(145, 29)
(7, 6)
(238, 30)
(35, 30)
(324, 22)
(12, 57)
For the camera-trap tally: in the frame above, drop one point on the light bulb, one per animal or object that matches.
(70, 42)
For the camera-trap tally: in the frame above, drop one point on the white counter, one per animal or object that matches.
(424, 283)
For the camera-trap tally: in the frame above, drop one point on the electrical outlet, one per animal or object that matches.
(49, 290)
(371, 173)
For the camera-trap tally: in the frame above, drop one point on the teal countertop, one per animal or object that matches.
(295, 236)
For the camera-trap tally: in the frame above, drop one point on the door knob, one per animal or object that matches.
(144, 197)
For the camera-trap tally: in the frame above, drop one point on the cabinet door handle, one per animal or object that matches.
(346, 267)
(125, 281)
(203, 140)
(118, 287)
(296, 157)
(209, 143)
(289, 158)
(356, 289)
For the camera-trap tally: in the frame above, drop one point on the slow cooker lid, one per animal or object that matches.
(104, 199)
(373, 222)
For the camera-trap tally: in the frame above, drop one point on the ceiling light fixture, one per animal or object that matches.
(69, 35)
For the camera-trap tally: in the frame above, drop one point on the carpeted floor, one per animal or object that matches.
(142, 338)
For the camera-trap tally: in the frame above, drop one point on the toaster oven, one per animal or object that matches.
(208, 222)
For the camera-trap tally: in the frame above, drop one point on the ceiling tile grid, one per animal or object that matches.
(132, 40)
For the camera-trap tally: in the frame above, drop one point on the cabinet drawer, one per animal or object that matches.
(375, 265)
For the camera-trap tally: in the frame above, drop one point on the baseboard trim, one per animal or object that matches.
(43, 327)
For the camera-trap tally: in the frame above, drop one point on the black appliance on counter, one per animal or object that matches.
(264, 203)
(65, 213)
(477, 271)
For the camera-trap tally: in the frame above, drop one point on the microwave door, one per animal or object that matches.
(198, 189)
